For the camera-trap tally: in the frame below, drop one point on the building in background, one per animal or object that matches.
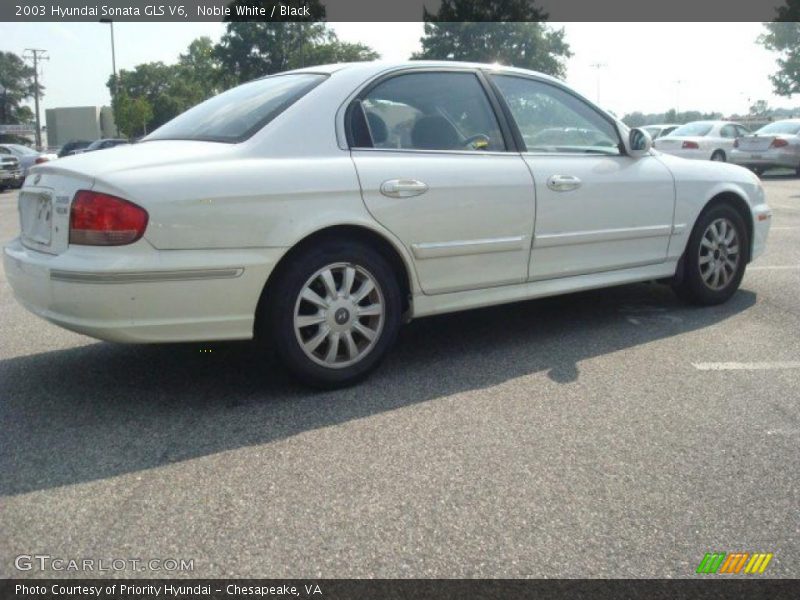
(79, 123)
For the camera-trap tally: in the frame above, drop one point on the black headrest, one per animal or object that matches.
(434, 132)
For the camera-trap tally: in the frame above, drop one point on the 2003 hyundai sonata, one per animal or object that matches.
(320, 208)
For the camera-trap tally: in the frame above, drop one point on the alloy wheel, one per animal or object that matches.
(719, 254)
(339, 315)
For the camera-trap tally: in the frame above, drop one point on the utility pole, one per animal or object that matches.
(37, 54)
(116, 79)
(678, 83)
(597, 66)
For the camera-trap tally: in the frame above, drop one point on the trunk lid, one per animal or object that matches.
(46, 198)
(755, 143)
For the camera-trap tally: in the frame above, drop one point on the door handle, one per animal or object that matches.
(563, 183)
(403, 188)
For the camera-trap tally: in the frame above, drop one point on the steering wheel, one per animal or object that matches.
(477, 142)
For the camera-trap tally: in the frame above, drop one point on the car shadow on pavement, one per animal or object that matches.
(102, 410)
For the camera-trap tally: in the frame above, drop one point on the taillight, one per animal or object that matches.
(104, 220)
(41, 159)
(778, 143)
(691, 146)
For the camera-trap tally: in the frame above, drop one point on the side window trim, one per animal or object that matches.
(494, 103)
(520, 141)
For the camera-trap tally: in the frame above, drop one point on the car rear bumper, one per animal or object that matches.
(138, 294)
(765, 159)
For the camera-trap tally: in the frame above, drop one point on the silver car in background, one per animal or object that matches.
(27, 157)
(702, 140)
(774, 146)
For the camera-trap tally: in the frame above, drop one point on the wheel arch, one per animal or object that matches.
(740, 205)
(397, 258)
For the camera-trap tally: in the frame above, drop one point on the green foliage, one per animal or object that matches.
(460, 31)
(133, 115)
(16, 77)
(784, 38)
(639, 119)
(255, 49)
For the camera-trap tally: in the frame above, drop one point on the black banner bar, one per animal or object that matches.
(399, 10)
(403, 589)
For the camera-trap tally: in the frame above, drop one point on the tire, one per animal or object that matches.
(304, 331)
(707, 250)
(718, 156)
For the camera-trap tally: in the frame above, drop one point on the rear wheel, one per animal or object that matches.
(718, 156)
(333, 312)
(715, 257)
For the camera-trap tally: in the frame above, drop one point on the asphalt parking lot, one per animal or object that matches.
(615, 433)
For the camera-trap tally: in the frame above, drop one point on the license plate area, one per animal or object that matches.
(36, 217)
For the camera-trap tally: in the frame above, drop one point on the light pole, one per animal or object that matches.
(678, 83)
(597, 66)
(116, 79)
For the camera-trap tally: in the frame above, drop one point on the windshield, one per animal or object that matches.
(235, 115)
(785, 127)
(699, 129)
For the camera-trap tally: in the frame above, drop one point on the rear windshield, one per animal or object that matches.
(699, 129)
(235, 115)
(785, 127)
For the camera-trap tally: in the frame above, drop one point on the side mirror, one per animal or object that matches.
(639, 142)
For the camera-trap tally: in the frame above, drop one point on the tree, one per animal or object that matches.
(760, 108)
(202, 64)
(255, 49)
(16, 78)
(153, 93)
(507, 32)
(784, 37)
(133, 115)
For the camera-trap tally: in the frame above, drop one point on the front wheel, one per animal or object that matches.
(333, 312)
(715, 257)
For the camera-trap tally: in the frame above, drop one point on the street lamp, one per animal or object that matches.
(116, 79)
(597, 66)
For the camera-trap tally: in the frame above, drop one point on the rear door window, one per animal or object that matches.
(427, 111)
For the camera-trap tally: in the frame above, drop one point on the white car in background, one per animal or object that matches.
(321, 208)
(702, 140)
(776, 145)
(660, 130)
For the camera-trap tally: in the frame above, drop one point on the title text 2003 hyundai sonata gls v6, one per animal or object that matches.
(322, 207)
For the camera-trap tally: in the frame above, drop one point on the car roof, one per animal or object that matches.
(378, 66)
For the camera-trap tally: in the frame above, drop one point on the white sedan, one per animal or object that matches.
(321, 208)
(703, 140)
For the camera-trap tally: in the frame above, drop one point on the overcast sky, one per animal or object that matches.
(719, 65)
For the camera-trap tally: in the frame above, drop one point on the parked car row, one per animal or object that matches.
(776, 145)
(17, 159)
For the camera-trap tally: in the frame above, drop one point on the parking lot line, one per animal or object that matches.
(773, 267)
(739, 366)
